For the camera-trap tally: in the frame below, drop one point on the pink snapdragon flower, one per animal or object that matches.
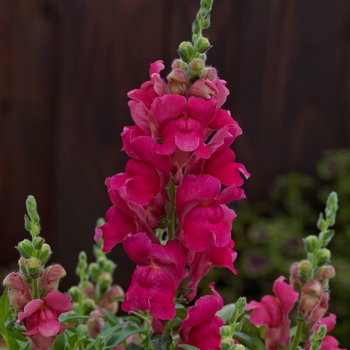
(40, 318)
(201, 328)
(203, 215)
(328, 342)
(201, 262)
(157, 277)
(273, 312)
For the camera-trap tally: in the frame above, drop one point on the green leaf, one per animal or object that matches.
(244, 339)
(109, 331)
(119, 337)
(69, 317)
(5, 314)
(161, 341)
(187, 347)
(134, 346)
(226, 312)
(111, 318)
(259, 345)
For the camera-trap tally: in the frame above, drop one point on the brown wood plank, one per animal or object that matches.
(26, 134)
(107, 47)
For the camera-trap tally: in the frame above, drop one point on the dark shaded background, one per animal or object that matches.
(65, 69)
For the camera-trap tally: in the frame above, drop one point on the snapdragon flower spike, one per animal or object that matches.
(157, 277)
(273, 312)
(201, 328)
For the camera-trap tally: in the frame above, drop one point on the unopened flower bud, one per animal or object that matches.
(311, 296)
(94, 271)
(25, 248)
(104, 281)
(323, 256)
(18, 290)
(321, 309)
(294, 279)
(179, 64)
(325, 272)
(226, 342)
(202, 45)
(74, 292)
(90, 290)
(44, 253)
(186, 51)
(238, 347)
(225, 331)
(88, 306)
(321, 333)
(304, 270)
(209, 73)
(38, 243)
(33, 266)
(109, 266)
(51, 277)
(177, 82)
(107, 303)
(310, 243)
(326, 237)
(196, 67)
(95, 323)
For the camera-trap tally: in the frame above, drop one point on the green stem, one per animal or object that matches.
(35, 289)
(298, 335)
(172, 217)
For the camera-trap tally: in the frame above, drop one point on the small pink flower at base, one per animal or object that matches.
(40, 318)
(328, 342)
(273, 312)
(19, 291)
(201, 328)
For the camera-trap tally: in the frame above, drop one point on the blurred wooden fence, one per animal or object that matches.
(65, 69)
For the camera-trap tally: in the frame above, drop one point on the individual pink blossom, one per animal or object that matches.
(273, 312)
(152, 88)
(222, 165)
(206, 89)
(40, 318)
(181, 123)
(19, 291)
(201, 262)
(328, 342)
(201, 328)
(141, 180)
(202, 214)
(157, 277)
(118, 225)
